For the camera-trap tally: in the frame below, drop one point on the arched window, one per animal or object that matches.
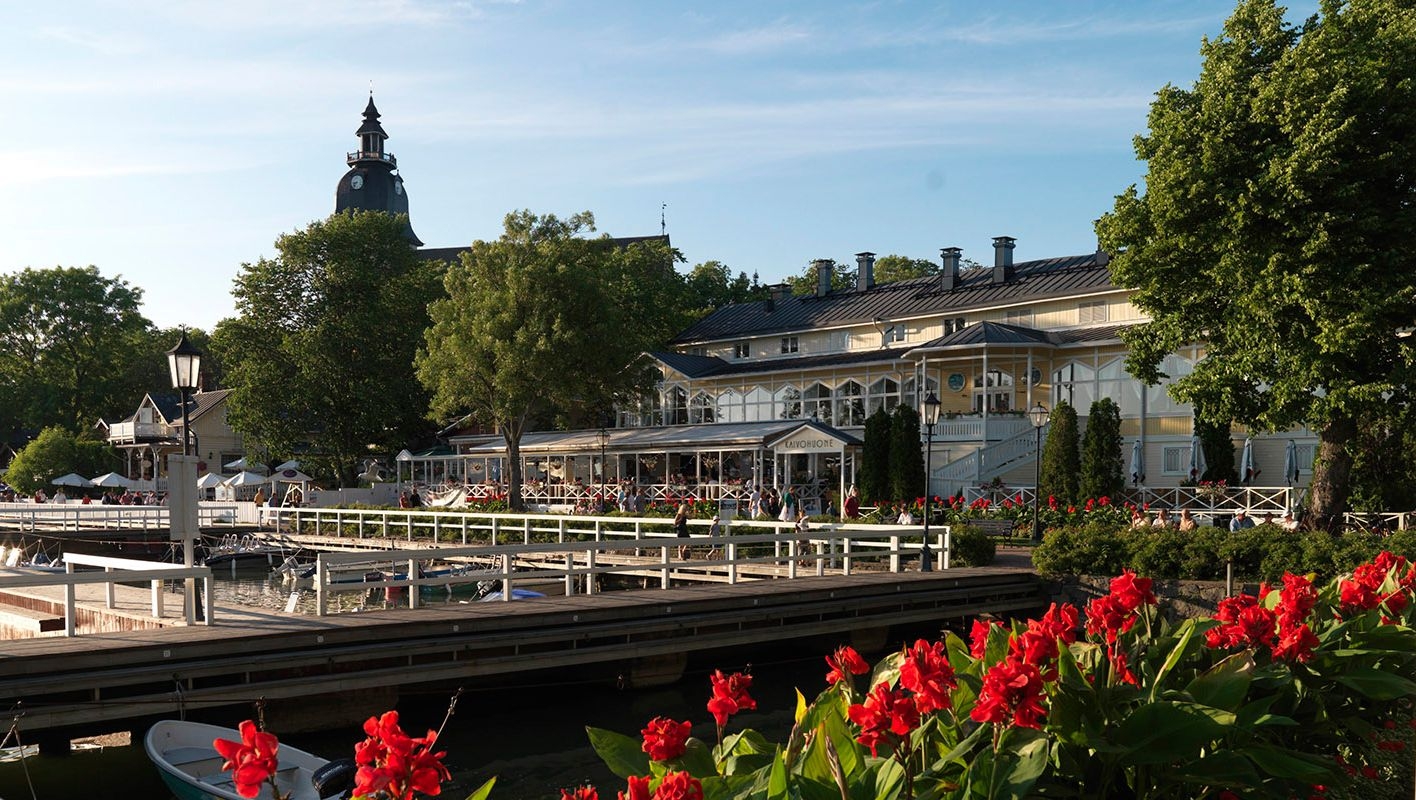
(700, 410)
(1113, 381)
(850, 404)
(729, 406)
(817, 402)
(1158, 399)
(787, 402)
(1074, 382)
(884, 393)
(757, 405)
(676, 406)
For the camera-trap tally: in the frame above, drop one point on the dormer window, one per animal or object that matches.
(953, 325)
(789, 344)
(742, 350)
(1091, 312)
(894, 333)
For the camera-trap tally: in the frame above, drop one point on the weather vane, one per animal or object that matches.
(663, 226)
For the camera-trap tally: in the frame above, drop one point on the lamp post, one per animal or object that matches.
(185, 362)
(603, 437)
(931, 416)
(1037, 415)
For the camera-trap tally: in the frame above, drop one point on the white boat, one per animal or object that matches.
(191, 767)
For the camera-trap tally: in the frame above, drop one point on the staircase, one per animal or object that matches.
(988, 462)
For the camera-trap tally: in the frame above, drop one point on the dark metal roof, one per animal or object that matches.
(998, 334)
(719, 435)
(1097, 335)
(916, 297)
(718, 367)
(371, 120)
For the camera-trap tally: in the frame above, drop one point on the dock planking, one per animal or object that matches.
(72, 684)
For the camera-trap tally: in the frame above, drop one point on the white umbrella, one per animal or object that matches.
(291, 464)
(244, 463)
(291, 476)
(1197, 459)
(112, 480)
(1138, 464)
(72, 479)
(245, 479)
(1248, 470)
(209, 481)
(1290, 462)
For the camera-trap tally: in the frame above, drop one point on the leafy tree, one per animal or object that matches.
(1061, 461)
(320, 358)
(874, 477)
(1102, 474)
(71, 345)
(711, 285)
(1383, 471)
(1218, 447)
(898, 268)
(1276, 227)
(57, 452)
(543, 322)
(842, 278)
(906, 454)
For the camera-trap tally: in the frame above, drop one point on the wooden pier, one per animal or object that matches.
(104, 682)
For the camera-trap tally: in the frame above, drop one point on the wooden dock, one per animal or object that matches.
(105, 681)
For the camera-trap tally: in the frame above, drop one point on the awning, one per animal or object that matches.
(677, 438)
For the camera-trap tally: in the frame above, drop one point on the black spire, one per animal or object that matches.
(373, 182)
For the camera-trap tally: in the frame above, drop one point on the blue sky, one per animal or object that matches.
(168, 142)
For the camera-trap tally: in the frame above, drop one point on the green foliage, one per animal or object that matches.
(710, 285)
(906, 454)
(320, 356)
(542, 323)
(74, 348)
(57, 452)
(874, 477)
(970, 547)
(1101, 471)
(891, 268)
(1218, 447)
(804, 283)
(1383, 472)
(1269, 228)
(1061, 460)
(1095, 549)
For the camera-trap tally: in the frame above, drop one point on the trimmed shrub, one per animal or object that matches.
(1102, 475)
(1083, 550)
(971, 547)
(1061, 461)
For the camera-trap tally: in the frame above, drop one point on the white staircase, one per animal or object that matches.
(987, 462)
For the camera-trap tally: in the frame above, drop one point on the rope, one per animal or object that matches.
(14, 733)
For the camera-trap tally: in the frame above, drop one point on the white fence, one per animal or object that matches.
(115, 571)
(80, 517)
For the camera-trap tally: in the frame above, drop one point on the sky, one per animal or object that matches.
(168, 142)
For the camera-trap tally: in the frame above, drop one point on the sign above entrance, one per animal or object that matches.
(808, 440)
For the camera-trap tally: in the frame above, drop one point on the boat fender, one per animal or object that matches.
(336, 778)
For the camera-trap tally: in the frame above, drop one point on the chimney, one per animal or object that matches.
(775, 293)
(823, 276)
(1102, 257)
(950, 258)
(1003, 259)
(865, 271)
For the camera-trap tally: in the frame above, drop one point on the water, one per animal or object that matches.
(531, 735)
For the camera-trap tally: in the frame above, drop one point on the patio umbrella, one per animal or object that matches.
(1290, 462)
(291, 464)
(245, 479)
(1197, 459)
(244, 463)
(72, 479)
(1138, 464)
(1247, 468)
(112, 480)
(209, 481)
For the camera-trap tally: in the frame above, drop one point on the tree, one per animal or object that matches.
(71, 344)
(1218, 447)
(898, 268)
(1102, 474)
(874, 477)
(1277, 225)
(842, 279)
(1061, 462)
(57, 452)
(710, 285)
(320, 358)
(542, 323)
(906, 455)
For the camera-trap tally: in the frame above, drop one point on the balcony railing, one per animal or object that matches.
(121, 432)
(370, 155)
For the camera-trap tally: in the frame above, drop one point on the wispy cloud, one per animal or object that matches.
(53, 164)
(320, 15)
(105, 44)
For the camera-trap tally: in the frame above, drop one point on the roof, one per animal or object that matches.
(453, 253)
(916, 297)
(714, 436)
(999, 334)
(703, 366)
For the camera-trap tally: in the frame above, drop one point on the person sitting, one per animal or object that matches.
(1187, 522)
(1139, 519)
(905, 518)
(1268, 518)
(1240, 521)
(1162, 519)
(1287, 522)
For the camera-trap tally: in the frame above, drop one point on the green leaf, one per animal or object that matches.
(1376, 684)
(1284, 763)
(483, 791)
(622, 755)
(1163, 731)
(697, 759)
(777, 780)
(1222, 768)
(1176, 653)
(1225, 684)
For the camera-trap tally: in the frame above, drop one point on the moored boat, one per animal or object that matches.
(191, 767)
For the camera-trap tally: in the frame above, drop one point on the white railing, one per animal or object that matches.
(733, 557)
(976, 429)
(115, 570)
(133, 431)
(78, 517)
(990, 460)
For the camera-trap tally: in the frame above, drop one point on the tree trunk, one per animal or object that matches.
(512, 437)
(1332, 474)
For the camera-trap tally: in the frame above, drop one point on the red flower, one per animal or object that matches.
(887, 717)
(845, 661)
(1132, 591)
(1295, 643)
(1052, 502)
(638, 788)
(978, 637)
(730, 696)
(665, 739)
(1038, 644)
(251, 761)
(1106, 501)
(1295, 600)
(586, 792)
(1246, 624)
(928, 674)
(392, 762)
(1011, 689)
(1091, 504)
(1106, 615)
(678, 786)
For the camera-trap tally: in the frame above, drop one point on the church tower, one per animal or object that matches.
(372, 182)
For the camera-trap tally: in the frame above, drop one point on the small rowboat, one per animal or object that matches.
(191, 767)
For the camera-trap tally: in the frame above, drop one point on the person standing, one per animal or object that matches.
(789, 505)
(853, 504)
(681, 527)
(754, 502)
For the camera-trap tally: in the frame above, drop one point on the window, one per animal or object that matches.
(1304, 455)
(850, 404)
(1176, 460)
(1022, 317)
(787, 402)
(1075, 383)
(1113, 381)
(1091, 312)
(789, 344)
(884, 393)
(676, 410)
(995, 388)
(757, 405)
(817, 405)
(701, 409)
(698, 351)
(729, 406)
(953, 325)
(742, 350)
(894, 333)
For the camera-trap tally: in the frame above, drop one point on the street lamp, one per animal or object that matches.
(1037, 415)
(185, 362)
(931, 416)
(603, 437)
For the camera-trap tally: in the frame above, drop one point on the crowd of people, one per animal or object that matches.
(1186, 522)
(113, 497)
